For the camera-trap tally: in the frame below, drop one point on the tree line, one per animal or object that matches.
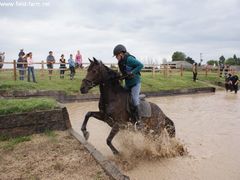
(180, 56)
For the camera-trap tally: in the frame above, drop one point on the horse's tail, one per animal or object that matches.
(169, 125)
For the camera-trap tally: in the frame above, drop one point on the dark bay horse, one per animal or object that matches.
(113, 104)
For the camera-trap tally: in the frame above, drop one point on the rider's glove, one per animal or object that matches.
(130, 75)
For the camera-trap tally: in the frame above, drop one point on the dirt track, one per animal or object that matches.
(48, 157)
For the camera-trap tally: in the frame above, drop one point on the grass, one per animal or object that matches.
(50, 133)
(10, 143)
(9, 106)
(149, 83)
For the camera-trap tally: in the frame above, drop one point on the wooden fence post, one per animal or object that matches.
(42, 69)
(218, 71)
(153, 71)
(206, 72)
(181, 70)
(165, 70)
(15, 69)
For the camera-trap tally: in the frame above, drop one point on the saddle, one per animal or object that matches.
(144, 106)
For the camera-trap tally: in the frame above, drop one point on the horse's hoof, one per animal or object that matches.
(115, 152)
(86, 135)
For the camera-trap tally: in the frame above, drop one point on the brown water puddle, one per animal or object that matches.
(207, 124)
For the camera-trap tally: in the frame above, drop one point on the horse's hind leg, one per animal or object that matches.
(113, 132)
(169, 125)
(97, 115)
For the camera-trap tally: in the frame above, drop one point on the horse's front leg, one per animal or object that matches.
(97, 115)
(113, 132)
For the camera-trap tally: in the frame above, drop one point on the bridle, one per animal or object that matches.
(90, 83)
(93, 84)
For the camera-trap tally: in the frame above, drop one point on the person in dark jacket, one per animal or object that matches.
(21, 67)
(130, 68)
(21, 53)
(62, 66)
(231, 82)
(194, 70)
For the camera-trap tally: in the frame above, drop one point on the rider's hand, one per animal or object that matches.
(130, 74)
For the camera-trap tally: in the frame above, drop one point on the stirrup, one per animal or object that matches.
(137, 125)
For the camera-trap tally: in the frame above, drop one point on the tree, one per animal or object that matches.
(230, 61)
(190, 60)
(178, 56)
(212, 62)
(236, 59)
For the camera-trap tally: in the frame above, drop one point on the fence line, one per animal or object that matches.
(166, 69)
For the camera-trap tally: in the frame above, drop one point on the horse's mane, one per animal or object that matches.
(111, 76)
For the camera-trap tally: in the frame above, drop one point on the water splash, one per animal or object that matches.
(137, 147)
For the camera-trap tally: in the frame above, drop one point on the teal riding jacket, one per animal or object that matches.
(130, 64)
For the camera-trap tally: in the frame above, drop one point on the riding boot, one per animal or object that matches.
(137, 118)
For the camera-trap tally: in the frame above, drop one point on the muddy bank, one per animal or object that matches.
(58, 156)
(61, 96)
(27, 123)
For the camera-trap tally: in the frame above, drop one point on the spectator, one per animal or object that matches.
(78, 59)
(194, 70)
(71, 66)
(21, 67)
(62, 66)
(50, 62)
(30, 67)
(226, 70)
(234, 80)
(2, 57)
(221, 69)
(21, 53)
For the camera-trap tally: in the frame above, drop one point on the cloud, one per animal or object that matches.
(153, 28)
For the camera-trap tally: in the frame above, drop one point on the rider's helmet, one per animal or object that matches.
(118, 49)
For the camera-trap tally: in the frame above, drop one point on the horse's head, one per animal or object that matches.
(93, 77)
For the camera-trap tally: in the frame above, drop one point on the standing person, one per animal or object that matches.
(30, 67)
(50, 62)
(62, 66)
(78, 59)
(71, 67)
(2, 57)
(194, 70)
(226, 70)
(221, 66)
(234, 80)
(21, 53)
(20, 66)
(130, 68)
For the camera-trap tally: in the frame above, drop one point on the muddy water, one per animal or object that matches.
(207, 124)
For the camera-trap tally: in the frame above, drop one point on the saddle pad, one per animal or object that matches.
(145, 109)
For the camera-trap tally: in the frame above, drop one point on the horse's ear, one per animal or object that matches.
(95, 60)
(90, 60)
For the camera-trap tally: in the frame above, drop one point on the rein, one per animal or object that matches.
(93, 84)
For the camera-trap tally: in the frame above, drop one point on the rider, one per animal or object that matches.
(130, 68)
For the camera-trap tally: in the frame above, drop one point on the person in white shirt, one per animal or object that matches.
(30, 67)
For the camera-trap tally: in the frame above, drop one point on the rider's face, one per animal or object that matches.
(119, 56)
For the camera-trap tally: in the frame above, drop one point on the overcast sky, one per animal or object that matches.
(148, 28)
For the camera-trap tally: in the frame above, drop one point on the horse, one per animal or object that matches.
(113, 103)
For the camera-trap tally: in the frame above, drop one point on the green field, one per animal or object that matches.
(9, 106)
(149, 83)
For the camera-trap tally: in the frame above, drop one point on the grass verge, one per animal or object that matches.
(9, 106)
